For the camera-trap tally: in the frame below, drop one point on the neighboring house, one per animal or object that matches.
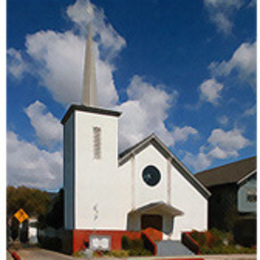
(233, 200)
(32, 231)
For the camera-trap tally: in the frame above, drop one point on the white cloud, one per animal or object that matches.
(78, 12)
(197, 162)
(107, 93)
(182, 134)
(48, 128)
(250, 111)
(219, 153)
(210, 91)
(221, 12)
(59, 58)
(223, 120)
(243, 62)
(145, 112)
(252, 3)
(223, 4)
(29, 166)
(232, 140)
(108, 39)
(16, 65)
(221, 145)
(223, 23)
(57, 63)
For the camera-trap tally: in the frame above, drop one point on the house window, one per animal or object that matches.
(97, 142)
(251, 196)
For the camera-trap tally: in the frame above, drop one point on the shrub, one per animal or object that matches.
(222, 249)
(219, 237)
(14, 229)
(245, 231)
(199, 237)
(126, 243)
(213, 238)
(24, 232)
(118, 253)
(219, 242)
(134, 247)
(52, 243)
(139, 252)
(77, 254)
(137, 244)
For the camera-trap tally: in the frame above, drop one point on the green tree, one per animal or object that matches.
(55, 217)
(32, 201)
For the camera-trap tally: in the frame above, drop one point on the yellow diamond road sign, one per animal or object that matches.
(21, 215)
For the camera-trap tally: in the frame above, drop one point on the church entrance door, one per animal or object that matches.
(153, 221)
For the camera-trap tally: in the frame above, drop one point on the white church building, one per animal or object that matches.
(109, 195)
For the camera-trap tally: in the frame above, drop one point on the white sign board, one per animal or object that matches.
(100, 243)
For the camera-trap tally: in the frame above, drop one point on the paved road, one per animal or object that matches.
(205, 257)
(8, 256)
(229, 257)
(41, 254)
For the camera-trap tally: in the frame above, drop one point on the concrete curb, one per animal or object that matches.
(198, 257)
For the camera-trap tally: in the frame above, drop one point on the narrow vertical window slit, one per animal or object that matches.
(97, 142)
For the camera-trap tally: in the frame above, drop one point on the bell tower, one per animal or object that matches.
(90, 154)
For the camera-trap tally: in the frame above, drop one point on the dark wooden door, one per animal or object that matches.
(154, 221)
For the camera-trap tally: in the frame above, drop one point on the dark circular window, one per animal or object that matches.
(151, 175)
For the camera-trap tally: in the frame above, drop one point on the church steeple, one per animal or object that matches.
(89, 89)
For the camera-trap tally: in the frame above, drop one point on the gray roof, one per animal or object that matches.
(229, 173)
(159, 145)
(132, 148)
(94, 110)
(158, 206)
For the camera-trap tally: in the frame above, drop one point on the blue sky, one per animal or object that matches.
(184, 70)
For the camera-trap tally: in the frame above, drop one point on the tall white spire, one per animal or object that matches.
(89, 89)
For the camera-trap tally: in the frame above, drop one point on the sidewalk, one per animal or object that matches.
(8, 256)
(205, 257)
(42, 254)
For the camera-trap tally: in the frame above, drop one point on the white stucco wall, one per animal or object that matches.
(143, 193)
(69, 173)
(95, 178)
(174, 189)
(186, 197)
(124, 199)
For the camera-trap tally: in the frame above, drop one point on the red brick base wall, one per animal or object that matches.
(80, 237)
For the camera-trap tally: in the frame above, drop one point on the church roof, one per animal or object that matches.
(160, 146)
(88, 109)
(227, 174)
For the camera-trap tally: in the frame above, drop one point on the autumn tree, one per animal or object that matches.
(32, 201)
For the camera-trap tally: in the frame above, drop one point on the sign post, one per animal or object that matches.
(21, 216)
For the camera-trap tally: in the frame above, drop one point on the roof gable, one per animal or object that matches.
(232, 173)
(159, 145)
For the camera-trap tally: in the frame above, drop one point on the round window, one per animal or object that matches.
(151, 175)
